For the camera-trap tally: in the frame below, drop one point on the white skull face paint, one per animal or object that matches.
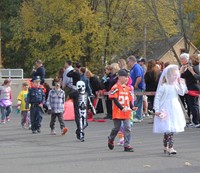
(80, 85)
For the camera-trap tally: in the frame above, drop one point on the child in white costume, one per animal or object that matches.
(169, 113)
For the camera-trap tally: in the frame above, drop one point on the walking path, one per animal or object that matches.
(23, 152)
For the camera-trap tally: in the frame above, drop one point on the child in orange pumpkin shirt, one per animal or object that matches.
(121, 96)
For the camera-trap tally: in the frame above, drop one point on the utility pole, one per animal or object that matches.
(0, 49)
(145, 42)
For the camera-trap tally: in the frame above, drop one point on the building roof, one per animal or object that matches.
(157, 48)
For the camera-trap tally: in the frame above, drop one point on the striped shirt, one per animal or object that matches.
(56, 100)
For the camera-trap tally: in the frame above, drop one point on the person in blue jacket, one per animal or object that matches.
(35, 98)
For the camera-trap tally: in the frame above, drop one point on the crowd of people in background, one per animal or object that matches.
(143, 76)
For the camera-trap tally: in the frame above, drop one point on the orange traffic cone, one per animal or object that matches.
(69, 110)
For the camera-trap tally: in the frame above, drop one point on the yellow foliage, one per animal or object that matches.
(59, 28)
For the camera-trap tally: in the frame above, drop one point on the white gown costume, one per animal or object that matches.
(166, 101)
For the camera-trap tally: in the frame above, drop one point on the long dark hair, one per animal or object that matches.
(151, 67)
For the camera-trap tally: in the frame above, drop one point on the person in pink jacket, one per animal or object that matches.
(5, 101)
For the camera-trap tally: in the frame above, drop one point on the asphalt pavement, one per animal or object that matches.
(24, 152)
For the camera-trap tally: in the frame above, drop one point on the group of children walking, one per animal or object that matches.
(169, 117)
(30, 103)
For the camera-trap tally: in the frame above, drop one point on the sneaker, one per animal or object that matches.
(171, 151)
(78, 136)
(82, 139)
(34, 131)
(197, 126)
(38, 130)
(135, 120)
(121, 142)
(128, 149)
(145, 115)
(110, 144)
(191, 125)
(8, 119)
(29, 127)
(53, 132)
(150, 112)
(3, 122)
(64, 131)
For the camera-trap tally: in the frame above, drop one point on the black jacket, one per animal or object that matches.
(40, 72)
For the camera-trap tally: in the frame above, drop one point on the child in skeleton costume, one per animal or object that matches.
(81, 104)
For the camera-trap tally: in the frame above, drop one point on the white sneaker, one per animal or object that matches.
(171, 151)
(121, 142)
(3, 122)
(53, 132)
(145, 115)
(135, 120)
(192, 125)
(197, 126)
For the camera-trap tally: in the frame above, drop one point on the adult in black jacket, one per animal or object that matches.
(151, 78)
(192, 85)
(75, 73)
(39, 71)
(95, 83)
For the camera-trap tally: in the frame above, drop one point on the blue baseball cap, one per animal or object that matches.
(36, 78)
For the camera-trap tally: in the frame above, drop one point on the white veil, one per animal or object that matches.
(168, 76)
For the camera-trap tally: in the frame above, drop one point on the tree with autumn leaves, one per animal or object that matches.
(93, 32)
(55, 30)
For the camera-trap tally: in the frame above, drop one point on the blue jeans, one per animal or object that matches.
(5, 111)
(139, 103)
(36, 118)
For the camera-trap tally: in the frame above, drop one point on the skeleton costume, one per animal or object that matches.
(81, 104)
